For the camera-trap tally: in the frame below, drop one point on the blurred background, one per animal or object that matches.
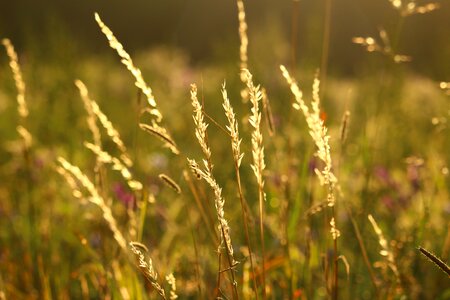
(394, 162)
(206, 30)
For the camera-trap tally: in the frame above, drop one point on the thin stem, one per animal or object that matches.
(206, 217)
(335, 260)
(230, 263)
(433, 258)
(219, 275)
(261, 231)
(245, 218)
(363, 250)
(197, 264)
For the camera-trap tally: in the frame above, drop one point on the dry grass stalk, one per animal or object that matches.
(372, 45)
(243, 39)
(258, 165)
(318, 132)
(118, 276)
(128, 62)
(146, 267)
(91, 116)
(110, 130)
(434, 259)
(18, 79)
(161, 133)
(232, 127)
(385, 250)
(173, 286)
(95, 198)
(200, 127)
(206, 174)
(170, 183)
(76, 192)
(117, 165)
(233, 131)
(219, 203)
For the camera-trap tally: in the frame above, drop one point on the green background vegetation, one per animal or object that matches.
(394, 163)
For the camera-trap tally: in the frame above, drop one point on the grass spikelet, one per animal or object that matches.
(258, 165)
(200, 126)
(95, 198)
(18, 79)
(161, 133)
(233, 131)
(170, 183)
(145, 265)
(232, 127)
(335, 233)
(407, 8)
(372, 45)
(117, 165)
(385, 250)
(434, 259)
(91, 117)
(128, 62)
(26, 136)
(243, 39)
(317, 130)
(173, 286)
(319, 134)
(112, 133)
(76, 192)
(219, 203)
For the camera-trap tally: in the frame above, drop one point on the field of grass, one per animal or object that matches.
(147, 176)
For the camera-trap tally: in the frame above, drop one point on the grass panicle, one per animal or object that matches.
(22, 107)
(145, 265)
(259, 164)
(385, 251)
(200, 126)
(161, 133)
(173, 286)
(91, 117)
(170, 183)
(128, 62)
(117, 165)
(95, 198)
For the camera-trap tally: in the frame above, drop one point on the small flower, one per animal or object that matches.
(124, 195)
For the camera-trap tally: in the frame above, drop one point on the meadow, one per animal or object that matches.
(145, 176)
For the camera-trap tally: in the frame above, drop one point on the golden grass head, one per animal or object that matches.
(18, 78)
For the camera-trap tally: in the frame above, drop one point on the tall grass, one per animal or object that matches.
(102, 217)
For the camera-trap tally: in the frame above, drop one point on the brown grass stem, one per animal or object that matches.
(437, 261)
